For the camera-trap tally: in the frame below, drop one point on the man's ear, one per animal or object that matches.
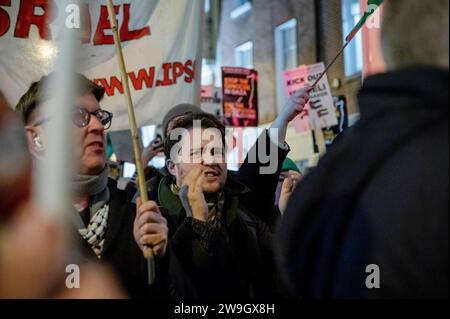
(35, 141)
(171, 167)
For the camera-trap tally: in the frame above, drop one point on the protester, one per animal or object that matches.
(33, 248)
(262, 165)
(104, 219)
(372, 220)
(222, 251)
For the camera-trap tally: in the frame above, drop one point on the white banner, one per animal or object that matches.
(161, 41)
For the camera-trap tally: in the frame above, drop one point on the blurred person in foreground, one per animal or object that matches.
(33, 249)
(372, 220)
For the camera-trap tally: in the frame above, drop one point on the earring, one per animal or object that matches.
(38, 143)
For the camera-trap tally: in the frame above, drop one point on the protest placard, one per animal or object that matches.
(240, 96)
(319, 112)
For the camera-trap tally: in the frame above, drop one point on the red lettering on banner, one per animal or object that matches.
(5, 22)
(167, 81)
(125, 33)
(143, 76)
(189, 69)
(177, 71)
(100, 38)
(110, 87)
(27, 17)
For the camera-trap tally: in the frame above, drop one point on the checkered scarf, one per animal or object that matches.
(95, 232)
(97, 189)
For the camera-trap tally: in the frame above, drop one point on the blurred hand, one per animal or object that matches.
(295, 104)
(289, 184)
(194, 182)
(151, 151)
(293, 107)
(150, 228)
(97, 281)
(32, 255)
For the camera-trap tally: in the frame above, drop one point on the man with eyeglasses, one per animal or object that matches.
(105, 219)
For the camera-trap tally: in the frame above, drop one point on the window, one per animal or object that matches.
(353, 55)
(207, 6)
(286, 55)
(241, 7)
(243, 55)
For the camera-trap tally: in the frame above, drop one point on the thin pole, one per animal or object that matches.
(148, 251)
(330, 65)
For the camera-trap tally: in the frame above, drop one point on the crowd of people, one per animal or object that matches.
(378, 200)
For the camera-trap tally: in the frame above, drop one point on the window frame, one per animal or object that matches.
(279, 57)
(353, 55)
(244, 47)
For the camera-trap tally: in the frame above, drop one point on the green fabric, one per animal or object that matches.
(109, 147)
(289, 165)
(366, 16)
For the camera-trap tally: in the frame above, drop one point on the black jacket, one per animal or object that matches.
(122, 253)
(232, 261)
(379, 197)
(261, 199)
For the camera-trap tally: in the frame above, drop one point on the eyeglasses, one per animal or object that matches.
(82, 117)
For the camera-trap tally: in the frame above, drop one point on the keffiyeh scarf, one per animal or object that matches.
(96, 188)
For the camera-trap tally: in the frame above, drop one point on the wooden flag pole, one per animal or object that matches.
(148, 251)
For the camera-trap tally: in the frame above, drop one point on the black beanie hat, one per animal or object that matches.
(179, 110)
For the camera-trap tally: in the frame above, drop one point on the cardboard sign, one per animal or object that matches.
(319, 112)
(240, 96)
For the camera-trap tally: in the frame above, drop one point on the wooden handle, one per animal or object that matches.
(148, 251)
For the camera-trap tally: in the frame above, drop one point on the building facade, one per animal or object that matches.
(276, 35)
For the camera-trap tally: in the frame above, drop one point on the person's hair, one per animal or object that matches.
(178, 111)
(415, 33)
(187, 122)
(37, 93)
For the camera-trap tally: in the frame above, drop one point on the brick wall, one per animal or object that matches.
(319, 32)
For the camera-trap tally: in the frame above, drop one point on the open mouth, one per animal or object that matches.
(96, 144)
(212, 174)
